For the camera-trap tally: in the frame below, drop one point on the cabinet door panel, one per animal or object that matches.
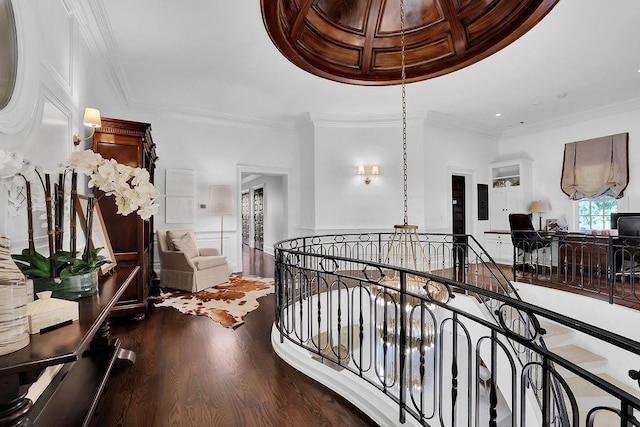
(129, 143)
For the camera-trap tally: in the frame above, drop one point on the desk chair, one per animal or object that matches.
(627, 247)
(532, 250)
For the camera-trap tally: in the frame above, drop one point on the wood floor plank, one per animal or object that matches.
(191, 371)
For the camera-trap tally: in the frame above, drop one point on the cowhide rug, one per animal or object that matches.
(226, 304)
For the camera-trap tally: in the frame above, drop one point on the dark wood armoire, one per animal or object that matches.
(129, 143)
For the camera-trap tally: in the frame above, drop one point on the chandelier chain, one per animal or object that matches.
(404, 111)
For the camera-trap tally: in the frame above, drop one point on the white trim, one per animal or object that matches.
(286, 175)
(470, 198)
(66, 85)
(381, 409)
(18, 114)
(584, 116)
(363, 121)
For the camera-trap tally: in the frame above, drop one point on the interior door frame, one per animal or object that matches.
(286, 174)
(470, 198)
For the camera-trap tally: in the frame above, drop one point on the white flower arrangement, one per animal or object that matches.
(131, 187)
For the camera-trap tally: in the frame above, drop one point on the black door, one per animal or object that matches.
(459, 230)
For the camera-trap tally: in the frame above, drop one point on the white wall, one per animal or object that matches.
(435, 151)
(343, 201)
(546, 148)
(454, 150)
(215, 151)
(51, 93)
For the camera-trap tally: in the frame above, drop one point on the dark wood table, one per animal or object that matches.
(87, 352)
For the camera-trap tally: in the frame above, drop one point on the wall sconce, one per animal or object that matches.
(368, 178)
(91, 119)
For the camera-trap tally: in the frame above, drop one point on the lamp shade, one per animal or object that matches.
(221, 200)
(92, 118)
(537, 206)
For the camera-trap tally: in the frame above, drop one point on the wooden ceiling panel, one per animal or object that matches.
(358, 41)
(418, 14)
(348, 14)
(415, 58)
(320, 49)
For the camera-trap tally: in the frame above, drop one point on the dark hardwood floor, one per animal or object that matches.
(191, 371)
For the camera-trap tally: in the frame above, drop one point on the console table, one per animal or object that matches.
(87, 352)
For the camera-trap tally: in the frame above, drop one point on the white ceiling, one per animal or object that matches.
(214, 58)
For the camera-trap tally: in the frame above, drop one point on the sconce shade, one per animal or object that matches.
(92, 118)
(221, 200)
(368, 178)
(537, 206)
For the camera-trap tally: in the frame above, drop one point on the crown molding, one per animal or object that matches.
(363, 121)
(596, 113)
(450, 122)
(217, 118)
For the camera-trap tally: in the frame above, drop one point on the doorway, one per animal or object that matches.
(263, 216)
(458, 226)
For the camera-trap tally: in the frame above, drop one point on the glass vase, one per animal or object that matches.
(69, 288)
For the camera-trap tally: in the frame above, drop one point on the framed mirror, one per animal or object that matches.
(8, 53)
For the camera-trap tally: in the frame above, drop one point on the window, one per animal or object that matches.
(595, 214)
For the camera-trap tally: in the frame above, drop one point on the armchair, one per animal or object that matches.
(186, 267)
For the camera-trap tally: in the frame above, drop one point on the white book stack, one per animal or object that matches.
(14, 325)
(46, 312)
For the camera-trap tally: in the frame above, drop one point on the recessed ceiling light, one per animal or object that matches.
(498, 114)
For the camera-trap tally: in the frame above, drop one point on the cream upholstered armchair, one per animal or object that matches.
(183, 266)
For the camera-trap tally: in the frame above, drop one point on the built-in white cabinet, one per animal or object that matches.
(509, 192)
(499, 246)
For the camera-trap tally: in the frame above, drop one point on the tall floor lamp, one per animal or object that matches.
(221, 204)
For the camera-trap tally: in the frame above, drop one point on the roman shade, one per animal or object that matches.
(596, 167)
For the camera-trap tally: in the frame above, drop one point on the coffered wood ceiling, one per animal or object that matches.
(359, 41)
(215, 61)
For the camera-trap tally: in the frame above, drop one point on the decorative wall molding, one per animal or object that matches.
(363, 121)
(217, 118)
(19, 112)
(96, 30)
(65, 83)
(450, 122)
(594, 114)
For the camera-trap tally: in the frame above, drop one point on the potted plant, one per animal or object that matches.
(71, 278)
(63, 272)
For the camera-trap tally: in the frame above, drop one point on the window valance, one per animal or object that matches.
(596, 167)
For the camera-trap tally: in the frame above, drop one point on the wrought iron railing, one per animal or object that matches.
(608, 266)
(448, 340)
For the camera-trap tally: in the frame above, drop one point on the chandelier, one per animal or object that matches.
(405, 250)
(405, 247)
